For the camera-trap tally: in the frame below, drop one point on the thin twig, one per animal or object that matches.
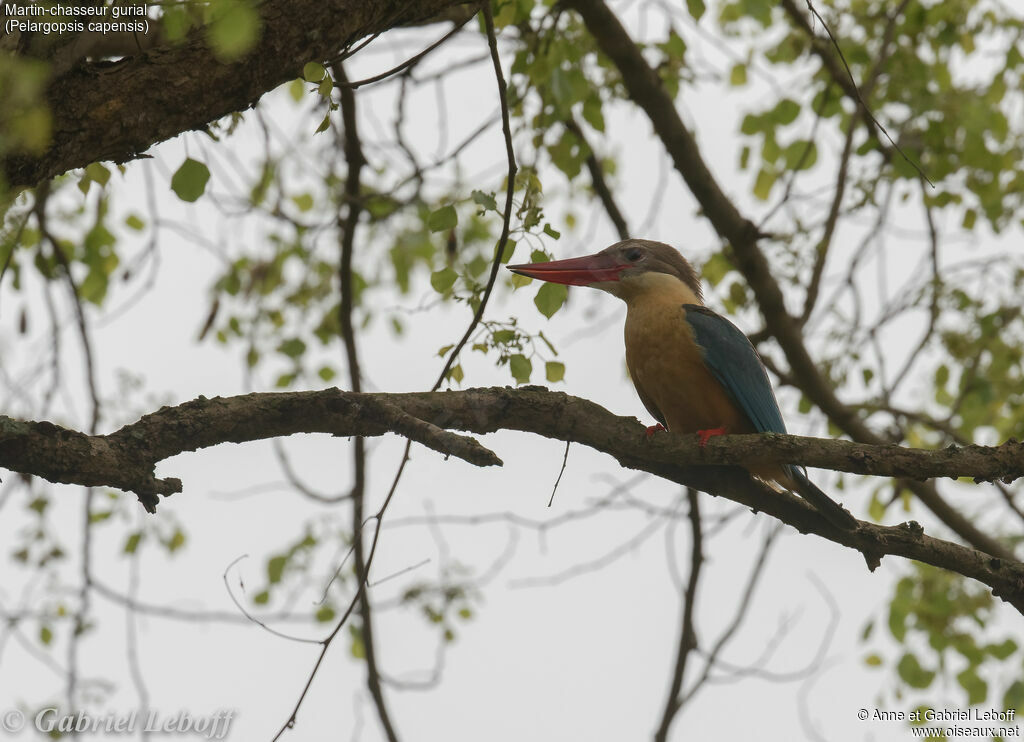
(355, 160)
(687, 633)
(407, 64)
(565, 459)
(506, 127)
(597, 179)
(855, 91)
(746, 600)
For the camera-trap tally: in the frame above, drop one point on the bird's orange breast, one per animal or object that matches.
(669, 373)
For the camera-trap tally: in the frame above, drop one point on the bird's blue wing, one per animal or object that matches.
(735, 364)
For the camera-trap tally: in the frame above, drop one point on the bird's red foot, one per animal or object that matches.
(705, 435)
(652, 429)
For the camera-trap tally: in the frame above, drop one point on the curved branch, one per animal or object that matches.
(126, 458)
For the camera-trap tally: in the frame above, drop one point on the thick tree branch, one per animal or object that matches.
(126, 458)
(116, 113)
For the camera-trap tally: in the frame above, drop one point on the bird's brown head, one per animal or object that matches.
(624, 269)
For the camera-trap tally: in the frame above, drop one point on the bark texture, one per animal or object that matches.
(116, 112)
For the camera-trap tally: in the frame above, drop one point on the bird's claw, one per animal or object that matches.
(705, 435)
(652, 429)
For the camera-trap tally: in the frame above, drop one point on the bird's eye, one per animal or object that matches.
(635, 255)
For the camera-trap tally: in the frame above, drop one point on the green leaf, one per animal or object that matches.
(357, 647)
(801, 154)
(873, 660)
(551, 231)
(45, 634)
(970, 217)
(443, 280)
(520, 367)
(560, 89)
(911, 672)
(977, 689)
(593, 113)
(313, 72)
(234, 30)
(189, 180)
(131, 545)
(510, 249)
(764, 183)
(737, 294)
(98, 173)
(554, 370)
(1003, 650)
(176, 21)
(486, 200)
(716, 268)
(550, 298)
(325, 124)
(325, 613)
(275, 568)
(94, 288)
(785, 111)
(176, 541)
(304, 201)
(326, 373)
(738, 75)
(444, 218)
(293, 348)
(261, 598)
(1014, 696)
(696, 8)
(751, 124)
(132, 221)
(674, 46)
(898, 611)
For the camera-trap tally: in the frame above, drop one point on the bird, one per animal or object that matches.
(693, 369)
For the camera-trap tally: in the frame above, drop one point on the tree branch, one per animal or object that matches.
(103, 113)
(125, 458)
(687, 632)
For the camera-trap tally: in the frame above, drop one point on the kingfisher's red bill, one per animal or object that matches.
(584, 271)
(694, 370)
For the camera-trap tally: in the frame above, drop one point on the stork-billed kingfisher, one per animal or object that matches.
(694, 370)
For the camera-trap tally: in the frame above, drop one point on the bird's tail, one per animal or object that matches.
(833, 512)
